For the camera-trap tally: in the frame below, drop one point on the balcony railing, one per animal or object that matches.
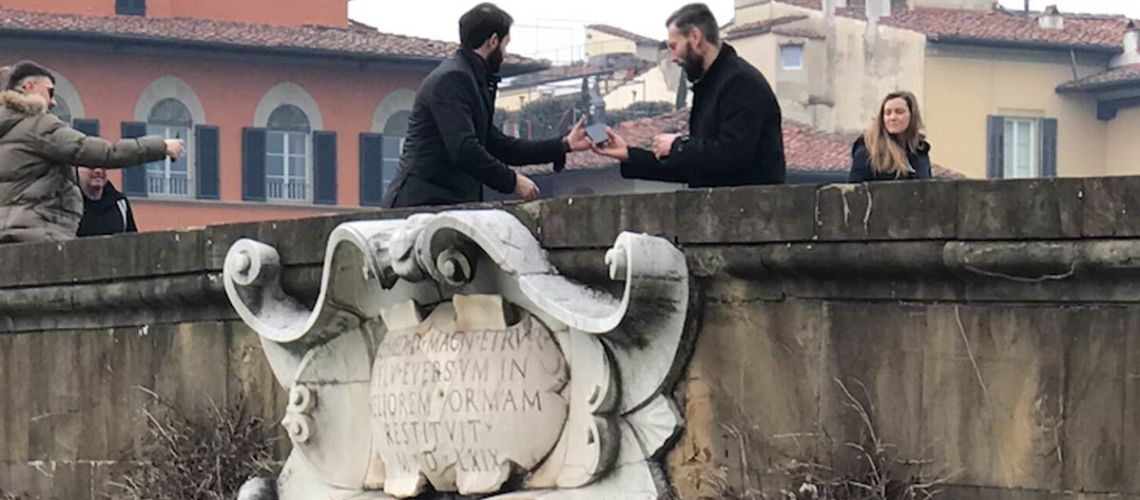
(281, 190)
(158, 183)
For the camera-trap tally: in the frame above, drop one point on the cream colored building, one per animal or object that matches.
(658, 84)
(513, 99)
(826, 70)
(657, 80)
(1004, 94)
(602, 39)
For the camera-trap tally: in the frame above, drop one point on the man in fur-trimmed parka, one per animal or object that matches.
(39, 195)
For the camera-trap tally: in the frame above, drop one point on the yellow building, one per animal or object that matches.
(602, 39)
(1004, 94)
(632, 68)
(1011, 95)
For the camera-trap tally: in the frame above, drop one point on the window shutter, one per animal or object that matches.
(206, 154)
(130, 7)
(253, 164)
(995, 147)
(1049, 147)
(88, 127)
(371, 170)
(134, 178)
(324, 168)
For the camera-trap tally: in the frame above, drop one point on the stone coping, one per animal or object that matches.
(1033, 234)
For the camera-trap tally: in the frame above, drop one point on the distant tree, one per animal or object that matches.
(584, 95)
(539, 118)
(542, 118)
(639, 110)
(682, 93)
(502, 116)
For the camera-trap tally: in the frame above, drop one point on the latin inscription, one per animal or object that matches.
(467, 400)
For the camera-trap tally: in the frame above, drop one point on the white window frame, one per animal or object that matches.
(163, 176)
(1013, 128)
(784, 62)
(293, 188)
(391, 161)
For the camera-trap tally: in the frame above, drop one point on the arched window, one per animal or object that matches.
(170, 119)
(62, 110)
(395, 132)
(287, 154)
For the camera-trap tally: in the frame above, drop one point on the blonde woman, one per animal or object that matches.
(893, 147)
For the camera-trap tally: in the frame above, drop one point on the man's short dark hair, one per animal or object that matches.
(482, 21)
(696, 16)
(26, 69)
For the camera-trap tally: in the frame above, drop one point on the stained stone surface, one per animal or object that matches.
(464, 405)
(1006, 354)
(446, 353)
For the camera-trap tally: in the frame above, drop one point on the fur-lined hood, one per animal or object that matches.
(28, 104)
(16, 106)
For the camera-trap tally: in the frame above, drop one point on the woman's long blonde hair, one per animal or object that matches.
(889, 154)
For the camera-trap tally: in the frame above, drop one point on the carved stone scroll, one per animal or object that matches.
(445, 353)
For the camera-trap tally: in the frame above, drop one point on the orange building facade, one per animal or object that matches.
(282, 118)
(276, 12)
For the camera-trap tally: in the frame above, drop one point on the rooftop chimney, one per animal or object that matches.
(829, 7)
(876, 9)
(1052, 19)
(1132, 39)
(1131, 54)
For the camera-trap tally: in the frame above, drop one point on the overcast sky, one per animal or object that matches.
(552, 29)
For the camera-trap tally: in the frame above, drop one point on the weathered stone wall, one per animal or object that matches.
(988, 325)
(72, 415)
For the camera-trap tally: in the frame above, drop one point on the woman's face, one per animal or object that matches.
(896, 116)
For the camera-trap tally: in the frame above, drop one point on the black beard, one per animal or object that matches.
(495, 60)
(694, 65)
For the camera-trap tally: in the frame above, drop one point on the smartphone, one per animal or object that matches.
(597, 133)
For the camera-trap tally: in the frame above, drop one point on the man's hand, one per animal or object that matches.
(175, 149)
(577, 139)
(526, 188)
(615, 147)
(663, 144)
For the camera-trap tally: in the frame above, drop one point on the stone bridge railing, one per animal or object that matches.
(992, 324)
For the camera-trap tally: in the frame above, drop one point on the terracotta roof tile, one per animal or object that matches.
(620, 33)
(637, 133)
(354, 39)
(806, 149)
(807, 4)
(856, 11)
(793, 31)
(635, 68)
(761, 27)
(1082, 31)
(1116, 77)
(1079, 31)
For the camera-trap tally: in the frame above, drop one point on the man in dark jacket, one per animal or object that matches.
(453, 148)
(735, 127)
(105, 210)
